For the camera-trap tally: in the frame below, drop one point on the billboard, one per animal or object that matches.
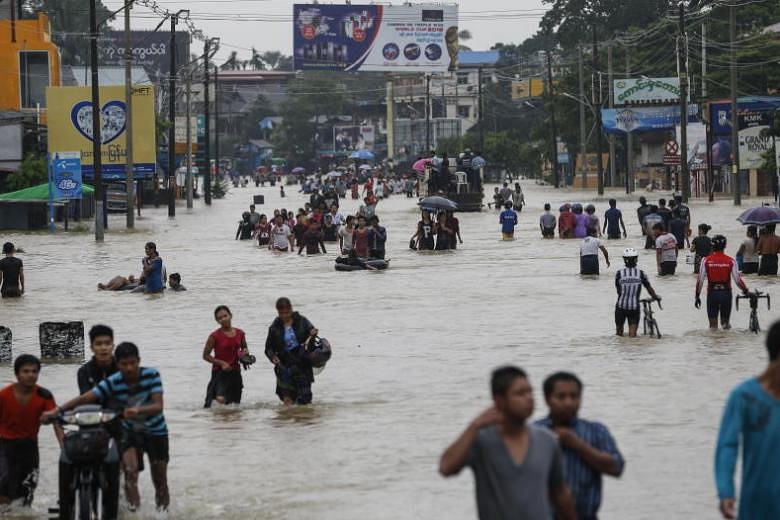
(65, 175)
(644, 119)
(70, 128)
(754, 138)
(150, 50)
(646, 90)
(351, 138)
(697, 145)
(378, 38)
(528, 88)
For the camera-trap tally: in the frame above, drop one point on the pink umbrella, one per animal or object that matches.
(420, 165)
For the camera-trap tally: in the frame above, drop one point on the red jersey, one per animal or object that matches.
(228, 349)
(719, 269)
(23, 422)
(360, 242)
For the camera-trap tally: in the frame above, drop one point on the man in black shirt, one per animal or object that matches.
(102, 364)
(11, 273)
(641, 212)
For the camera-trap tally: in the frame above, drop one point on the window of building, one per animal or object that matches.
(464, 111)
(33, 78)
(463, 78)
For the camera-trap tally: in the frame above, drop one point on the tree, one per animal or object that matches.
(256, 62)
(31, 172)
(463, 36)
(70, 25)
(232, 63)
(260, 109)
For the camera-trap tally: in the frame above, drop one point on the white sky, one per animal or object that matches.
(490, 21)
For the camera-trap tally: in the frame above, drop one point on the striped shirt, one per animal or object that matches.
(140, 394)
(583, 481)
(629, 282)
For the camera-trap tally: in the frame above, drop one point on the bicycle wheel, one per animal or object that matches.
(754, 324)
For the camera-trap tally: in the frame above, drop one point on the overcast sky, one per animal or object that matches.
(490, 21)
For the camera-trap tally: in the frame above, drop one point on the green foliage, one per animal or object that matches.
(251, 129)
(31, 172)
(219, 188)
(69, 21)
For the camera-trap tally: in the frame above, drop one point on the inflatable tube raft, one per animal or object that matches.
(376, 263)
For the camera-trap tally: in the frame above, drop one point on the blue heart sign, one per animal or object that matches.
(113, 117)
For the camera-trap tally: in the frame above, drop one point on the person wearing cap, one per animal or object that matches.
(508, 221)
(629, 282)
(718, 269)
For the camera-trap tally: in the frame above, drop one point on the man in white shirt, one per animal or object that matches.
(665, 250)
(589, 254)
(338, 218)
(281, 236)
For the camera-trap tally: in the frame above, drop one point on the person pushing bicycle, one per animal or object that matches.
(629, 282)
(718, 269)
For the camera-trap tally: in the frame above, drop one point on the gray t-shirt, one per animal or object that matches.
(547, 220)
(507, 491)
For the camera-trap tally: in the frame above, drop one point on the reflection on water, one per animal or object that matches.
(413, 348)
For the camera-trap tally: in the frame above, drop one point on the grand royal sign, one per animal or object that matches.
(644, 91)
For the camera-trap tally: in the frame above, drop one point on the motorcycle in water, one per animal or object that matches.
(89, 466)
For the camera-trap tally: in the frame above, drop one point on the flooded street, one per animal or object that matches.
(413, 350)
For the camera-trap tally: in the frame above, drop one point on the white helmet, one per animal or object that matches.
(630, 252)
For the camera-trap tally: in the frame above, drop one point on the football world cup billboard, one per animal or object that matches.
(375, 38)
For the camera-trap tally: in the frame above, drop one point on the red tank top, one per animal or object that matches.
(228, 349)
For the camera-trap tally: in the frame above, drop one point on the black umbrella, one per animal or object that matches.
(438, 203)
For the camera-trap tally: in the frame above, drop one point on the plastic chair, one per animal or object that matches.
(462, 180)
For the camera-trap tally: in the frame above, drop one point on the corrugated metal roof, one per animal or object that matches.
(478, 57)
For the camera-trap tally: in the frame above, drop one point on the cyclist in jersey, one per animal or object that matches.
(629, 282)
(718, 269)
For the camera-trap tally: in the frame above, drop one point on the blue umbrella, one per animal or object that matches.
(363, 155)
(438, 203)
(760, 216)
(298, 169)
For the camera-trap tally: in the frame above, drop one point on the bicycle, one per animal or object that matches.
(648, 321)
(753, 298)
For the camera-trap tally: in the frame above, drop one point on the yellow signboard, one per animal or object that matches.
(70, 128)
(527, 88)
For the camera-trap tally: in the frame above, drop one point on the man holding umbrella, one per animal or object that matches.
(768, 244)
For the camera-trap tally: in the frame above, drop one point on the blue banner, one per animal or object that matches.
(66, 176)
(720, 111)
(644, 119)
(114, 172)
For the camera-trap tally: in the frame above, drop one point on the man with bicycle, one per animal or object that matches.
(718, 269)
(629, 282)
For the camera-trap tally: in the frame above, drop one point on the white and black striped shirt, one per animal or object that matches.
(629, 282)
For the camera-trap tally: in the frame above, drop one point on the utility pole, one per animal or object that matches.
(682, 60)
(171, 177)
(206, 130)
(583, 143)
(479, 119)
(611, 100)
(216, 121)
(390, 119)
(129, 177)
(734, 116)
(97, 138)
(553, 132)
(428, 112)
(629, 139)
(704, 61)
(597, 106)
(188, 178)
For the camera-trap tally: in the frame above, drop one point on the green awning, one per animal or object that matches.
(37, 193)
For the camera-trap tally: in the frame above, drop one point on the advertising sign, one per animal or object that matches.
(404, 38)
(150, 50)
(646, 90)
(754, 138)
(351, 138)
(65, 168)
(645, 119)
(697, 145)
(527, 88)
(70, 128)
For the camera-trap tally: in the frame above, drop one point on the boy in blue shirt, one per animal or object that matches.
(752, 419)
(508, 221)
(137, 390)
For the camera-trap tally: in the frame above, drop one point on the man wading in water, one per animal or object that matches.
(285, 347)
(518, 467)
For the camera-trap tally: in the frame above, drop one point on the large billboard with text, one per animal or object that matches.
(351, 38)
(70, 128)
